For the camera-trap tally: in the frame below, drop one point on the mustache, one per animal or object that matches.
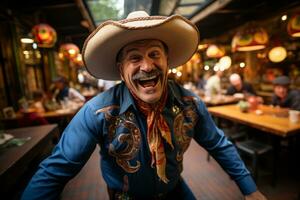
(142, 74)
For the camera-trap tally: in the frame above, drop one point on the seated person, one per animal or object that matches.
(32, 116)
(239, 86)
(283, 96)
(63, 91)
(213, 85)
(104, 85)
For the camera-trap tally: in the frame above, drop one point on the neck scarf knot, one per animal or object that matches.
(157, 130)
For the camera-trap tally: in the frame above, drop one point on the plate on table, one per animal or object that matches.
(5, 137)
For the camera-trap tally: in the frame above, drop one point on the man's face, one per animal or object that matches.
(281, 91)
(143, 67)
(237, 84)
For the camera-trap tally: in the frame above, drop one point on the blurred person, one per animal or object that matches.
(104, 85)
(213, 84)
(32, 116)
(239, 86)
(63, 91)
(283, 96)
(143, 125)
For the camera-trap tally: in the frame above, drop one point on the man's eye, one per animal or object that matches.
(154, 54)
(135, 58)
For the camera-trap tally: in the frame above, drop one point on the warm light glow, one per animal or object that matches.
(34, 46)
(169, 71)
(206, 67)
(174, 70)
(216, 67)
(251, 48)
(79, 58)
(294, 26)
(242, 64)
(214, 51)
(80, 78)
(225, 62)
(202, 46)
(27, 40)
(26, 52)
(72, 51)
(284, 17)
(44, 35)
(69, 51)
(277, 54)
(178, 74)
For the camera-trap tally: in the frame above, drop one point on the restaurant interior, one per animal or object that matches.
(257, 39)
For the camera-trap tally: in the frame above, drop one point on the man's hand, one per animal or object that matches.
(257, 195)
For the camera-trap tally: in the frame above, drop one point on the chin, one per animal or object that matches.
(153, 98)
(150, 100)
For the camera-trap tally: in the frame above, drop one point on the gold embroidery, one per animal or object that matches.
(184, 122)
(132, 139)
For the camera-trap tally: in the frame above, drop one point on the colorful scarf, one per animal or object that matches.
(157, 129)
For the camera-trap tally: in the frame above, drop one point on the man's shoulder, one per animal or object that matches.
(181, 94)
(112, 96)
(294, 93)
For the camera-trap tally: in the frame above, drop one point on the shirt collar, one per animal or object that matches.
(173, 94)
(127, 99)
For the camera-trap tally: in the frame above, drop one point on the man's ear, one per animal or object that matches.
(120, 67)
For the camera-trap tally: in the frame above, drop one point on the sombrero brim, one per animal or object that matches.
(102, 46)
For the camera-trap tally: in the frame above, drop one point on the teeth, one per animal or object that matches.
(147, 78)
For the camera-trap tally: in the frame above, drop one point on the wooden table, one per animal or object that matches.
(15, 161)
(52, 117)
(220, 100)
(272, 120)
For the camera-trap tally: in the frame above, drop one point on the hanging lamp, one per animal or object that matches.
(293, 26)
(250, 38)
(44, 35)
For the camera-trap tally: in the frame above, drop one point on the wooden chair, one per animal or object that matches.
(233, 134)
(255, 149)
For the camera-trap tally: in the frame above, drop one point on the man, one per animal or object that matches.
(63, 91)
(144, 124)
(213, 84)
(284, 97)
(239, 86)
(105, 84)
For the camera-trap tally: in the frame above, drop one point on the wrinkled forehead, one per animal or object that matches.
(142, 43)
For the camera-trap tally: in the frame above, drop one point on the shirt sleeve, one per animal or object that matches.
(74, 94)
(215, 142)
(77, 143)
(295, 100)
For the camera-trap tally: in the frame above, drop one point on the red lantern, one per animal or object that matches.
(69, 51)
(293, 26)
(44, 35)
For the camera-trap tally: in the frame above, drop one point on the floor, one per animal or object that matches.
(206, 179)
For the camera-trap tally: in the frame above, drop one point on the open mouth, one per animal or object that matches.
(148, 81)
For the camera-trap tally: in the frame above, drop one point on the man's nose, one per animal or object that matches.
(147, 65)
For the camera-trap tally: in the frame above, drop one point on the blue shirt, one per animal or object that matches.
(113, 121)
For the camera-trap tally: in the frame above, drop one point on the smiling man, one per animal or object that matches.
(143, 125)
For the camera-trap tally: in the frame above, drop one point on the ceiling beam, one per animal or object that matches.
(86, 15)
(216, 5)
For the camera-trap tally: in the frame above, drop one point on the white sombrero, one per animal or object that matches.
(102, 46)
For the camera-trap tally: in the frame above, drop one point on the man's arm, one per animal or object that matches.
(75, 95)
(68, 157)
(214, 140)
